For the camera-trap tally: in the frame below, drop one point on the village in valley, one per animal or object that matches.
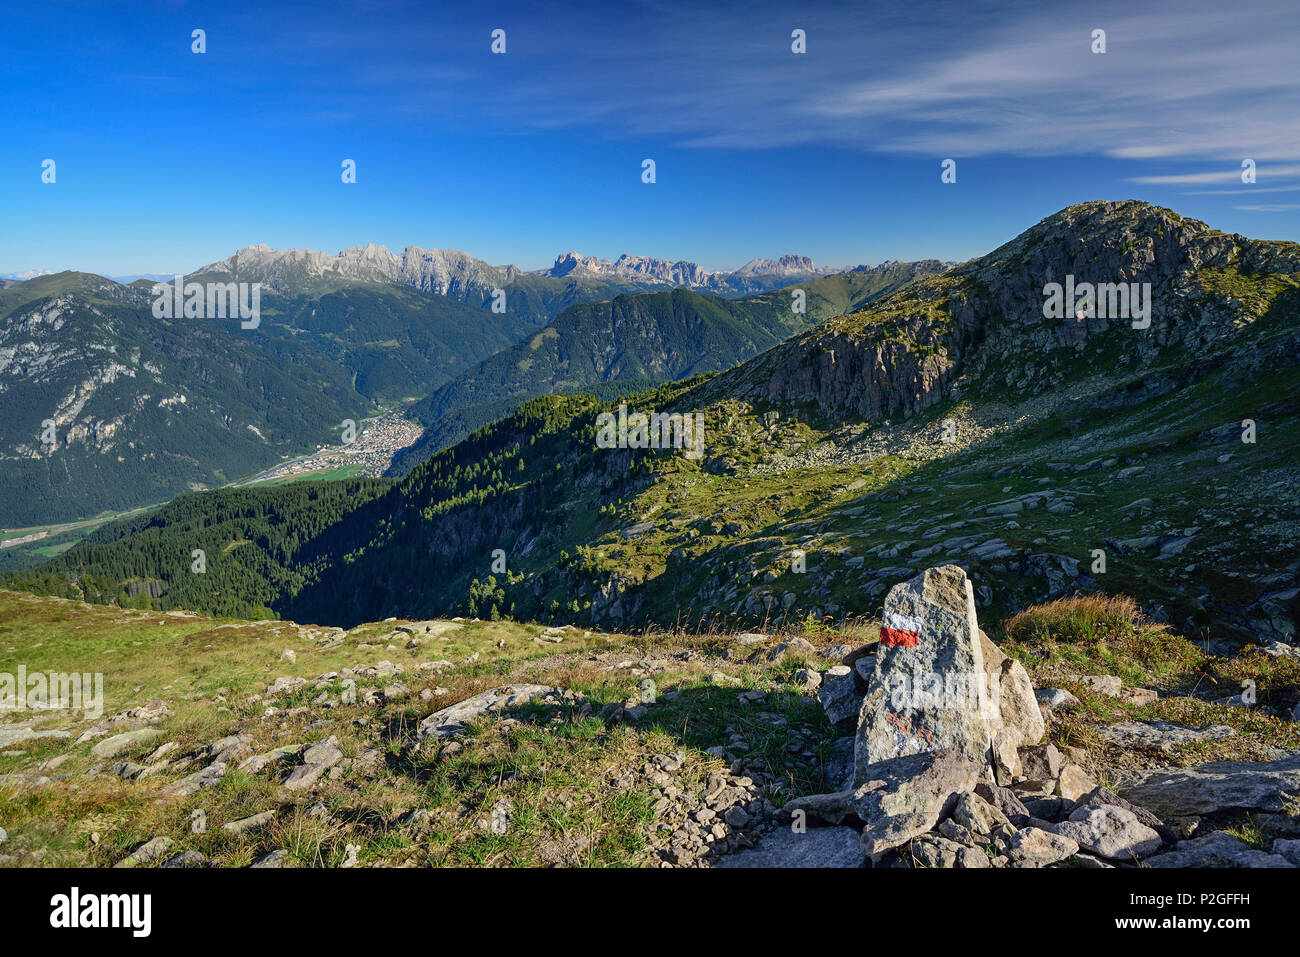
(370, 453)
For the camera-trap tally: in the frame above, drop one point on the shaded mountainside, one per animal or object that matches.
(947, 422)
(650, 337)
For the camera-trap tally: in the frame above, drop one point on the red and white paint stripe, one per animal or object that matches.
(900, 631)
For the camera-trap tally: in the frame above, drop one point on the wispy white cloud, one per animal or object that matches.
(1180, 81)
(1216, 176)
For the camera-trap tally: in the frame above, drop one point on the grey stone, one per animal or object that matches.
(1101, 795)
(907, 796)
(1164, 735)
(816, 847)
(933, 851)
(840, 697)
(794, 646)
(1056, 699)
(807, 679)
(191, 784)
(1006, 801)
(147, 853)
(317, 759)
(249, 824)
(1272, 786)
(277, 858)
(1035, 847)
(1040, 763)
(452, 720)
(1218, 849)
(835, 807)
(1110, 832)
(1074, 783)
(971, 858)
(10, 736)
(1139, 696)
(1018, 712)
(1290, 849)
(977, 815)
(286, 683)
(124, 742)
(1107, 685)
(186, 859)
(260, 762)
(1054, 808)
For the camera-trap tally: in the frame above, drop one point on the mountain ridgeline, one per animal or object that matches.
(951, 420)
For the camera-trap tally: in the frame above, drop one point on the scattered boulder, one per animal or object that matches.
(192, 783)
(1040, 763)
(277, 858)
(1019, 716)
(795, 646)
(1035, 847)
(807, 680)
(249, 824)
(1290, 849)
(147, 853)
(840, 696)
(978, 816)
(1006, 801)
(317, 759)
(124, 742)
(1107, 685)
(833, 808)
(1074, 783)
(1110, 832)
(452, 720)
(1100, 796)
(186, 859)
(1139, 696)
(1056, 699)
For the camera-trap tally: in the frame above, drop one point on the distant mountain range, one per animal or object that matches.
(448, 272)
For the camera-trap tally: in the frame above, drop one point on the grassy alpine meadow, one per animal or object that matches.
(233, 743)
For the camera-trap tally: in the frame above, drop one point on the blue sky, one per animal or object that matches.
(167, 160)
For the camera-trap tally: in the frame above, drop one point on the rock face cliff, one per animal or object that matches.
(980, 328)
